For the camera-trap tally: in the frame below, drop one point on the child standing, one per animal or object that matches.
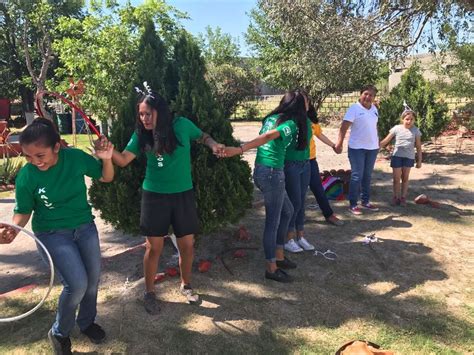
(407, 136)
(52, 188)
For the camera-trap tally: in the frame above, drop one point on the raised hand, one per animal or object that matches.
(7, 233)
(106, 151)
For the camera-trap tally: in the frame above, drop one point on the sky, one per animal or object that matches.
(230, 15)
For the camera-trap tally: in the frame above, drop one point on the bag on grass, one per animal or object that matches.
(333, 188)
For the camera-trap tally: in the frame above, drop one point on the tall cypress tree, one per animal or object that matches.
(223, 187)
(118, 201)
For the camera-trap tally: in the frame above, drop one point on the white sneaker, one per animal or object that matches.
(302, 242)
(292, 246)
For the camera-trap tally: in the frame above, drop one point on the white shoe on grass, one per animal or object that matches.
(302, 242)
(292, 246)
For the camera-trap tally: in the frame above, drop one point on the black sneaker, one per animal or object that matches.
(286, 264)
(60, 345)
(95, 333)
(279, 275)
(151, 303)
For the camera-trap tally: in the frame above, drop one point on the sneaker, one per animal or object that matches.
(151, 303)
(395, 201)
(60, 345)
(332, 219)
(355, 210)
(292, 246)
(286, 264)
(302, 242)
(95, 333)
(191, 296)
(403, 202)
(369, 206)
(279, 275)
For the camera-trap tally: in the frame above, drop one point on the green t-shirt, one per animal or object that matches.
(272, 153)
(169, 173)
(299, 155)
(58, 196)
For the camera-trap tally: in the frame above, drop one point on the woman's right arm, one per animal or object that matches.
(7, 233)
(257, 142)
(122, 159)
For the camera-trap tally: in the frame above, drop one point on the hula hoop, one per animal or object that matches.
(51, 281)
(39, 98)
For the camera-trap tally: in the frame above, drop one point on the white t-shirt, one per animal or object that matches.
(364, 127)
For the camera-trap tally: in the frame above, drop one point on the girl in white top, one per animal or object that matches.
(407, 136)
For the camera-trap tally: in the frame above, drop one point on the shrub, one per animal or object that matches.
(223, 187)
(9, 170)
(413, 89)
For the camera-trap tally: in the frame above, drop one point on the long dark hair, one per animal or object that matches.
(312, 114)
(162, 140)
(292, 106)
(41, 131)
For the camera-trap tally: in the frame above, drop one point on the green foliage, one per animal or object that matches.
(9, 170)
(421, 97)
(320, 53)
(457, 74)
(231, 79)
(223, 187)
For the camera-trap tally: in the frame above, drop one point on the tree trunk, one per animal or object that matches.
(27, 103)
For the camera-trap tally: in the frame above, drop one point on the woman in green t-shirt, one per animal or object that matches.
(282, 126)
(167, 195)
(51, 187)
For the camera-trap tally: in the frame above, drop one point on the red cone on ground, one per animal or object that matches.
(238, 254)
(204, 266)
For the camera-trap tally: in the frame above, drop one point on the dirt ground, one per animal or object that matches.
(409, 292)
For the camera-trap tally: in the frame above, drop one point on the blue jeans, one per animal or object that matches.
(362, 164)
(317, 188)
(76, 257)
(297, 175)
(278, 208)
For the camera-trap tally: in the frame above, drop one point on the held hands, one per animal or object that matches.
(7, 233)
(218, 150)
(103, 148)
(338, 148)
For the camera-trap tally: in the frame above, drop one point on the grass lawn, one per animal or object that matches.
(411, 292)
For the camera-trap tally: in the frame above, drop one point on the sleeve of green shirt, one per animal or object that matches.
(194, 132)
(92, 167)
(24, 190)
(132, 145)
(287, 130)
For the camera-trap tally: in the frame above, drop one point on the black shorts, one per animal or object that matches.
(160, 211)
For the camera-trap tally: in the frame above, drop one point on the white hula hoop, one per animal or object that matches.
(51, 281)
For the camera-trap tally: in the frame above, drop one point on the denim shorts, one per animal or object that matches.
(401, 162)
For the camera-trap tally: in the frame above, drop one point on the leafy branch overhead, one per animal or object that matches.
(334, 46)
